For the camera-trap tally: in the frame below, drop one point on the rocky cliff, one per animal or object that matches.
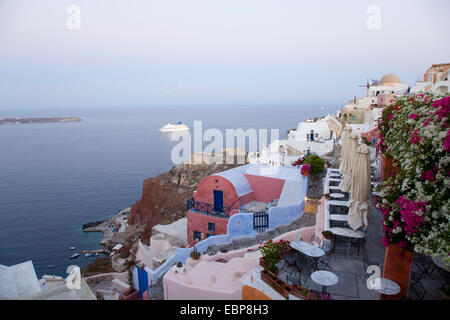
(164, 196)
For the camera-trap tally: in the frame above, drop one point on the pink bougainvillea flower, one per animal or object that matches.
(427, 175)
(412, 212)
(447, 142)
(415, 138)
(426, 122)
(413, 116)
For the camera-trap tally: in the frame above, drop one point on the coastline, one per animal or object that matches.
(6, 121)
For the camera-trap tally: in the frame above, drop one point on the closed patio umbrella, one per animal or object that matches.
(359, 204)
(346, 183)
(346, 138)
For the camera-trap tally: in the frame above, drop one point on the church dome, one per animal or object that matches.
(390, 78)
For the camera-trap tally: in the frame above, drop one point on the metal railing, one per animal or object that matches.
(209, 208)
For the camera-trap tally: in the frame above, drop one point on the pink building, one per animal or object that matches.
(249, 188)
(385, 99)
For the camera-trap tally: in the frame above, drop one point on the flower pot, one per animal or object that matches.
(276, 283)
(262, 263)
(442, 296)
(145, 295)
(387, 168)
(126, 295)
(397, 267)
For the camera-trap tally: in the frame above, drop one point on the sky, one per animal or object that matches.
(211, 52)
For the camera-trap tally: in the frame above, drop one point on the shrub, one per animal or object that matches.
(415, 201)
(316, 163)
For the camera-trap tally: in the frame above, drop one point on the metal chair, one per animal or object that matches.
(315, 240)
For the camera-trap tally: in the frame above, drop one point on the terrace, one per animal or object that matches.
(213, 210)
(353, 261)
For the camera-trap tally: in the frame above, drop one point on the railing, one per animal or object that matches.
(209, 209)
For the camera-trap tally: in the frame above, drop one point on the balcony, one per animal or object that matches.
(208, 208)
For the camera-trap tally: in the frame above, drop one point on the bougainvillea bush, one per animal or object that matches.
(315, 162)
(415, 201)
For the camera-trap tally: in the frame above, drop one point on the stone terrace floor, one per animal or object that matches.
(351, 272)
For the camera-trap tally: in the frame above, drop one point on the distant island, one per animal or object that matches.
(37, 120)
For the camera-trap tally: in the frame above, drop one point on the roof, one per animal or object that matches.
(237, 175)
(390, 78)
(237, 178)
(279, 172)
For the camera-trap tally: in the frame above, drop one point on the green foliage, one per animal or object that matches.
(317, 164)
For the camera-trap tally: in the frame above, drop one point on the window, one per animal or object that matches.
(197, 235)
(211, 227)
(353, 118)
(209, 235)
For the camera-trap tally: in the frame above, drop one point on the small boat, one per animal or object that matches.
(74, 256)
(72, 248)
(179, 126)
(87, 255)
(51, 266)
(96, 254)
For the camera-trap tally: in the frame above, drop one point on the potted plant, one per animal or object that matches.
(271, 255)
(275, 283)
(195, 254)
(316, 164)
(444, 293)
(414, 142)
(129, 294)
(327, 234)
(305, 294)
(305, 170)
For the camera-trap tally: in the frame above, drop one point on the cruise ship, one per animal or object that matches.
(179, 126)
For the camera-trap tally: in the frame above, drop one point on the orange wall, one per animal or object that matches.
(265, 189)
(199, 222)
(206, 187)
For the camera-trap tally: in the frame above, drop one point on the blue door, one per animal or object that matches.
(218, 201)
(143, 281)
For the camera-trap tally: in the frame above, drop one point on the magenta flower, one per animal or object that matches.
(427, 175)
(447, 142)
(412, 213)
(426, 122)
(415, 138)
(413, 116)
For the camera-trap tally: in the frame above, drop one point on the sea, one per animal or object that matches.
(54, 177)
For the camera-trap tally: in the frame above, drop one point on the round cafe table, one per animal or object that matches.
(337, 195)
(385, 286)
(307, 249)
(312, 252)
(324, 278)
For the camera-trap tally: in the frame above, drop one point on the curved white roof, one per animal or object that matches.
(237, 175)
(237, 178)
(278, 172)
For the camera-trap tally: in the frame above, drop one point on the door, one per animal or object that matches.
(218, 201)
(142, 280)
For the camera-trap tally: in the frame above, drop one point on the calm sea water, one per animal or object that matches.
(55, 177)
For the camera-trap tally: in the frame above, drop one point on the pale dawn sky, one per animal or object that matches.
(216, 52)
